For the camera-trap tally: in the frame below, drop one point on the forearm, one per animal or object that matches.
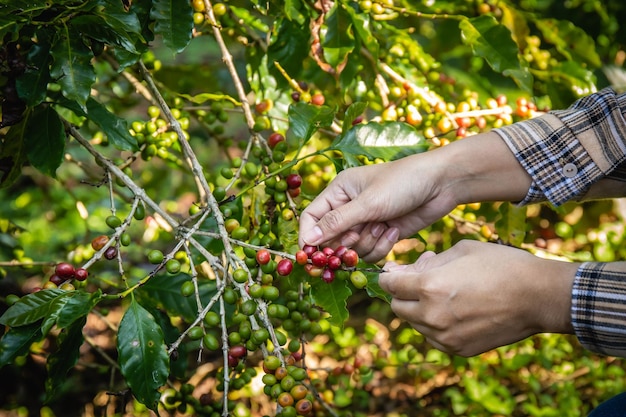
(482, 168)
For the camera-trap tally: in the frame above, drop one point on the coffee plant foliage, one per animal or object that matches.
(155, 156)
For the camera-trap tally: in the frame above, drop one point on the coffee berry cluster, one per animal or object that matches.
(324, 262)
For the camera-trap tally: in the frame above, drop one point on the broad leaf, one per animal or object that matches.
(337, 38)
(387, 140)
(32, 307)
(373, 288)
(493, 42)
(12, 155)
(288, 234)
(292, 11)
(354, 110)
(114, 127)
(16, 342)
(332, 298)
(72, 67)
(511, 225)
(289, 47)
(163, 291)
(77, 306)
(142, 354)
(44, 140)
(60, 362)
(305, 119)
(571, 41)
(96, 28)
(174, 22)
(363, 31)
(32, 85)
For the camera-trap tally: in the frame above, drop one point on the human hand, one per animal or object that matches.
(478, 296)
(369, 208)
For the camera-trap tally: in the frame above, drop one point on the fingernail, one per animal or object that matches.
(313, 236)
(393, 234)
(377, 230)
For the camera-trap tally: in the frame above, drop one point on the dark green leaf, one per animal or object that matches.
(78, 305)
(170, 334)
(124, 22)
(511, 224)
(337, 40)
(12, 155)
(293, 11)
(363, 31)
(32, 85)
(387, 140)
(493, 42)
(8, 24)
(373, 288)
(163, 291)
(44, 140)
(72, 67)
(16, 342)
(142, 354)
(332, 298)
(354, 110)
(305, 119)
(97, 28)
(571, 41)
(60, 362)
(114, 127)
(174, 22)
(32, 307)
(289, 47)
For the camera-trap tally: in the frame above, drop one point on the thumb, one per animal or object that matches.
(400, 280)
(332, 223)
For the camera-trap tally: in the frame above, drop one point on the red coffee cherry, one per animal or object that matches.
(350, 258)
(284, 267)
(274, 139)
(334, 262)
(293, 181)
(308, 249)
(263, 257)
(81, 274)
(65, 270)
(328, 275)
(318, 258)
(301, 257)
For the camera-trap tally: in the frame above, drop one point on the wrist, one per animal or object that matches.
(482, 168)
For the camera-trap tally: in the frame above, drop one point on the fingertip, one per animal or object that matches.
(312, 236)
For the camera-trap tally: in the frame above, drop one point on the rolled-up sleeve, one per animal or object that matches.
(599, 307)
(567, 151)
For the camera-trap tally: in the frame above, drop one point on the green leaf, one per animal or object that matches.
(387, 140)
(32, 307)
(355, 110)
(60, 362)
(142, 357)
(124, 22)
(174, 22)
(72, 67)
(163, 291)
(373, 288)
(289, 47)
(493, 42)
(363, 32)
(16, 342)
(332, 298)
(44, 140)
(292, 11)
(571, 41)
(204, 97)
(78, 305)
(12, 155)
(32, 85)
(97, 28)
(305, 119)
(337, 38)
(288, 234)
(114, 127)
(511, 224)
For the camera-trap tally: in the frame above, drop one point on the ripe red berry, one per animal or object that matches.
(334, 262)
(284, 267)
(274, 139)
(328, 251)
(340, 250)
(98, 242)
(357, 120)
(295, 96)
(65, 270)
(294, 192)
(319, 258)
(237, 351)
(328, 275)
(263, 257)
(301, 257)
(110, 253)
(350, 258)
(308, 249)
(81, 274)
(57, 280)
(293, 180)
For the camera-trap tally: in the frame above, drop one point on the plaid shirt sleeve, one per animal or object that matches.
(565, 152)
